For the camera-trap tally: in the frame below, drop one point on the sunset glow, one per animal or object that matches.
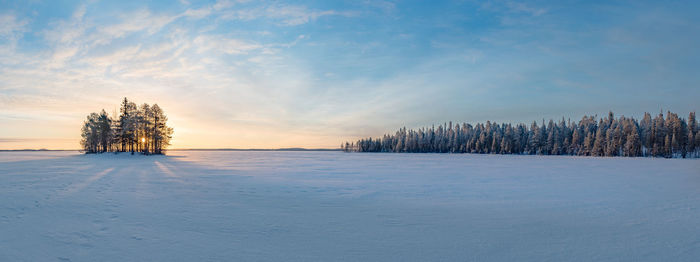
(259, 74)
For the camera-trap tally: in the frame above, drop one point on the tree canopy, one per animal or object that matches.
(136, 129)
(668, 137)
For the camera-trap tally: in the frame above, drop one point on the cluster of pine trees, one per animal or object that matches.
(137, 129)
(668, 137)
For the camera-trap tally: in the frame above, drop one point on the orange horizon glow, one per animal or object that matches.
(191, 131)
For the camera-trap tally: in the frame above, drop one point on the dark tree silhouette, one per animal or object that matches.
(136, 129)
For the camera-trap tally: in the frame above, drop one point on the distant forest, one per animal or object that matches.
(136, 129)
(670, 137)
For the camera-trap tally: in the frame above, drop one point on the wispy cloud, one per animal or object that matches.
(10, 25)
(273, 74)
(224, 45)
(11, 30)
(67, 31)
(139, 21)
(520, 7)
(289, 15)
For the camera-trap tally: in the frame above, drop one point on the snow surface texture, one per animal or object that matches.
(333, 206)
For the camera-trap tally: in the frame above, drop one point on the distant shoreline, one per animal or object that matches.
(256, 149)
(189, 149)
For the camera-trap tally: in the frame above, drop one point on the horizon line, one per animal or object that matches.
(193, 149)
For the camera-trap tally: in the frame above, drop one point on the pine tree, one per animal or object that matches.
(666, 137)
(632, 146)
(599, 143)
(692, 128)
(136, 129)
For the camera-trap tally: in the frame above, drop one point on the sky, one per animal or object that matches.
(275, 74)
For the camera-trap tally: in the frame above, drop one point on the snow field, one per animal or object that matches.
(333, 206)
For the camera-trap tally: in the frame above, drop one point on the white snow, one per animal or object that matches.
(333, 206)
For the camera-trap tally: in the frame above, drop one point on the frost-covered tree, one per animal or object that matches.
(692, 128)
(97, 133)
(669, 136)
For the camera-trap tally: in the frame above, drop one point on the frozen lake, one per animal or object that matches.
(334, 206)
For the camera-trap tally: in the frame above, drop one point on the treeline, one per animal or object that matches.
(670, 137)
(136, 129)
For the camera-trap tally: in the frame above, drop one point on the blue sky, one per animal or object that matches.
(269, 74)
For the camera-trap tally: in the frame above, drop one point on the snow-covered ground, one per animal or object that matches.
(333, 206)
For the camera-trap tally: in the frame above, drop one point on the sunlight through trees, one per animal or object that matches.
(136, 129)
